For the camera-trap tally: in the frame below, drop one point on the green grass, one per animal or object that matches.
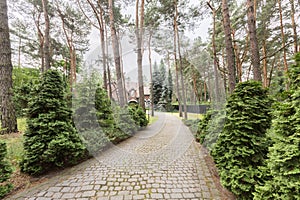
(22, 124)
(14, 143)
(190, 115)
(153, 119)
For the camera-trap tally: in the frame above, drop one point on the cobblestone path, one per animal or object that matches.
(160, 162)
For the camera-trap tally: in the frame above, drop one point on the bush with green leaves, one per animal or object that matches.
(50, 141)
(283, 163)
(242, 145)
(210, 127)
(5, 171)
(125, 125)
(24, 80)
(138, 115)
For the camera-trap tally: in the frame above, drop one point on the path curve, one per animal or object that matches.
(161, 162)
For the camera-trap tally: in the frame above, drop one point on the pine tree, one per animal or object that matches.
(5, 171)
(283, 162)
(242, 145)
(50, 140)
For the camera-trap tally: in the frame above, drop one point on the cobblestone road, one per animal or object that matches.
(160, 162)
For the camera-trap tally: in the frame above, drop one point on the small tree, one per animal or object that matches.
(5, 171)
(242, 146)
(284, 155)
(50, 140)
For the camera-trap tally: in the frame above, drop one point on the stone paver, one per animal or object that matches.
(160, 162)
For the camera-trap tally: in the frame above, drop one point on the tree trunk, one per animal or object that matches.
(176, 70)
(139, 23)
(217, 90)
(151, 75)
(108, 67)
(229, 47)
(180, 62)
(7, 110)
(46, 35)
(295, 36)
(282, 37)
(72, 77)
(116, 52)
(253, 41)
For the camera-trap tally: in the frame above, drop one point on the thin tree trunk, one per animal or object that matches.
(116, 52)
(108, 67)
(139, 35)
(7, 110)
(229, 48)
(253, 41)
(282, 37)
(217, 90)
(265, 66)
(47, 35)
(295, 36)
(41, 43)
(180, 62)
(176, 70)
(151, 75)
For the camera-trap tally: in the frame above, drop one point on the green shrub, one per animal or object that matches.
(51, 140)
(283, 164)
(138, 115)
(125, 124)
(210, 127)
(5, 171)
(242, 145)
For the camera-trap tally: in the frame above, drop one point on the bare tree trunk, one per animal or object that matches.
(176, 70)
(229, 47)
(282, 37)
(108, 67)
(41, 42)
(47, 35)
(217, 90)
(265, 66)
(151, 73)
(180, 62)
(253, 41)
(139, 23)
(295, 36)
(116, 51)
(7, 110)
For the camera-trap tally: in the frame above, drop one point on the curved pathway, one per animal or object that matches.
(161, 162)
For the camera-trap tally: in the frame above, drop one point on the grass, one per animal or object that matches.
(14, 143)
(152, 119)
(191, 116)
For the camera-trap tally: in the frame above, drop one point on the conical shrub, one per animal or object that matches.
(50, 140)
(242, 145)
(283, 164)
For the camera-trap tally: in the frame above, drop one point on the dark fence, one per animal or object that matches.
(200, 109)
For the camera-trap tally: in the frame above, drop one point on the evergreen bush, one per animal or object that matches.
(138, 115)
(50, 140)
(5, 171)
(210, 127)
(283, 164)
(85, 118)
(242, 145)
